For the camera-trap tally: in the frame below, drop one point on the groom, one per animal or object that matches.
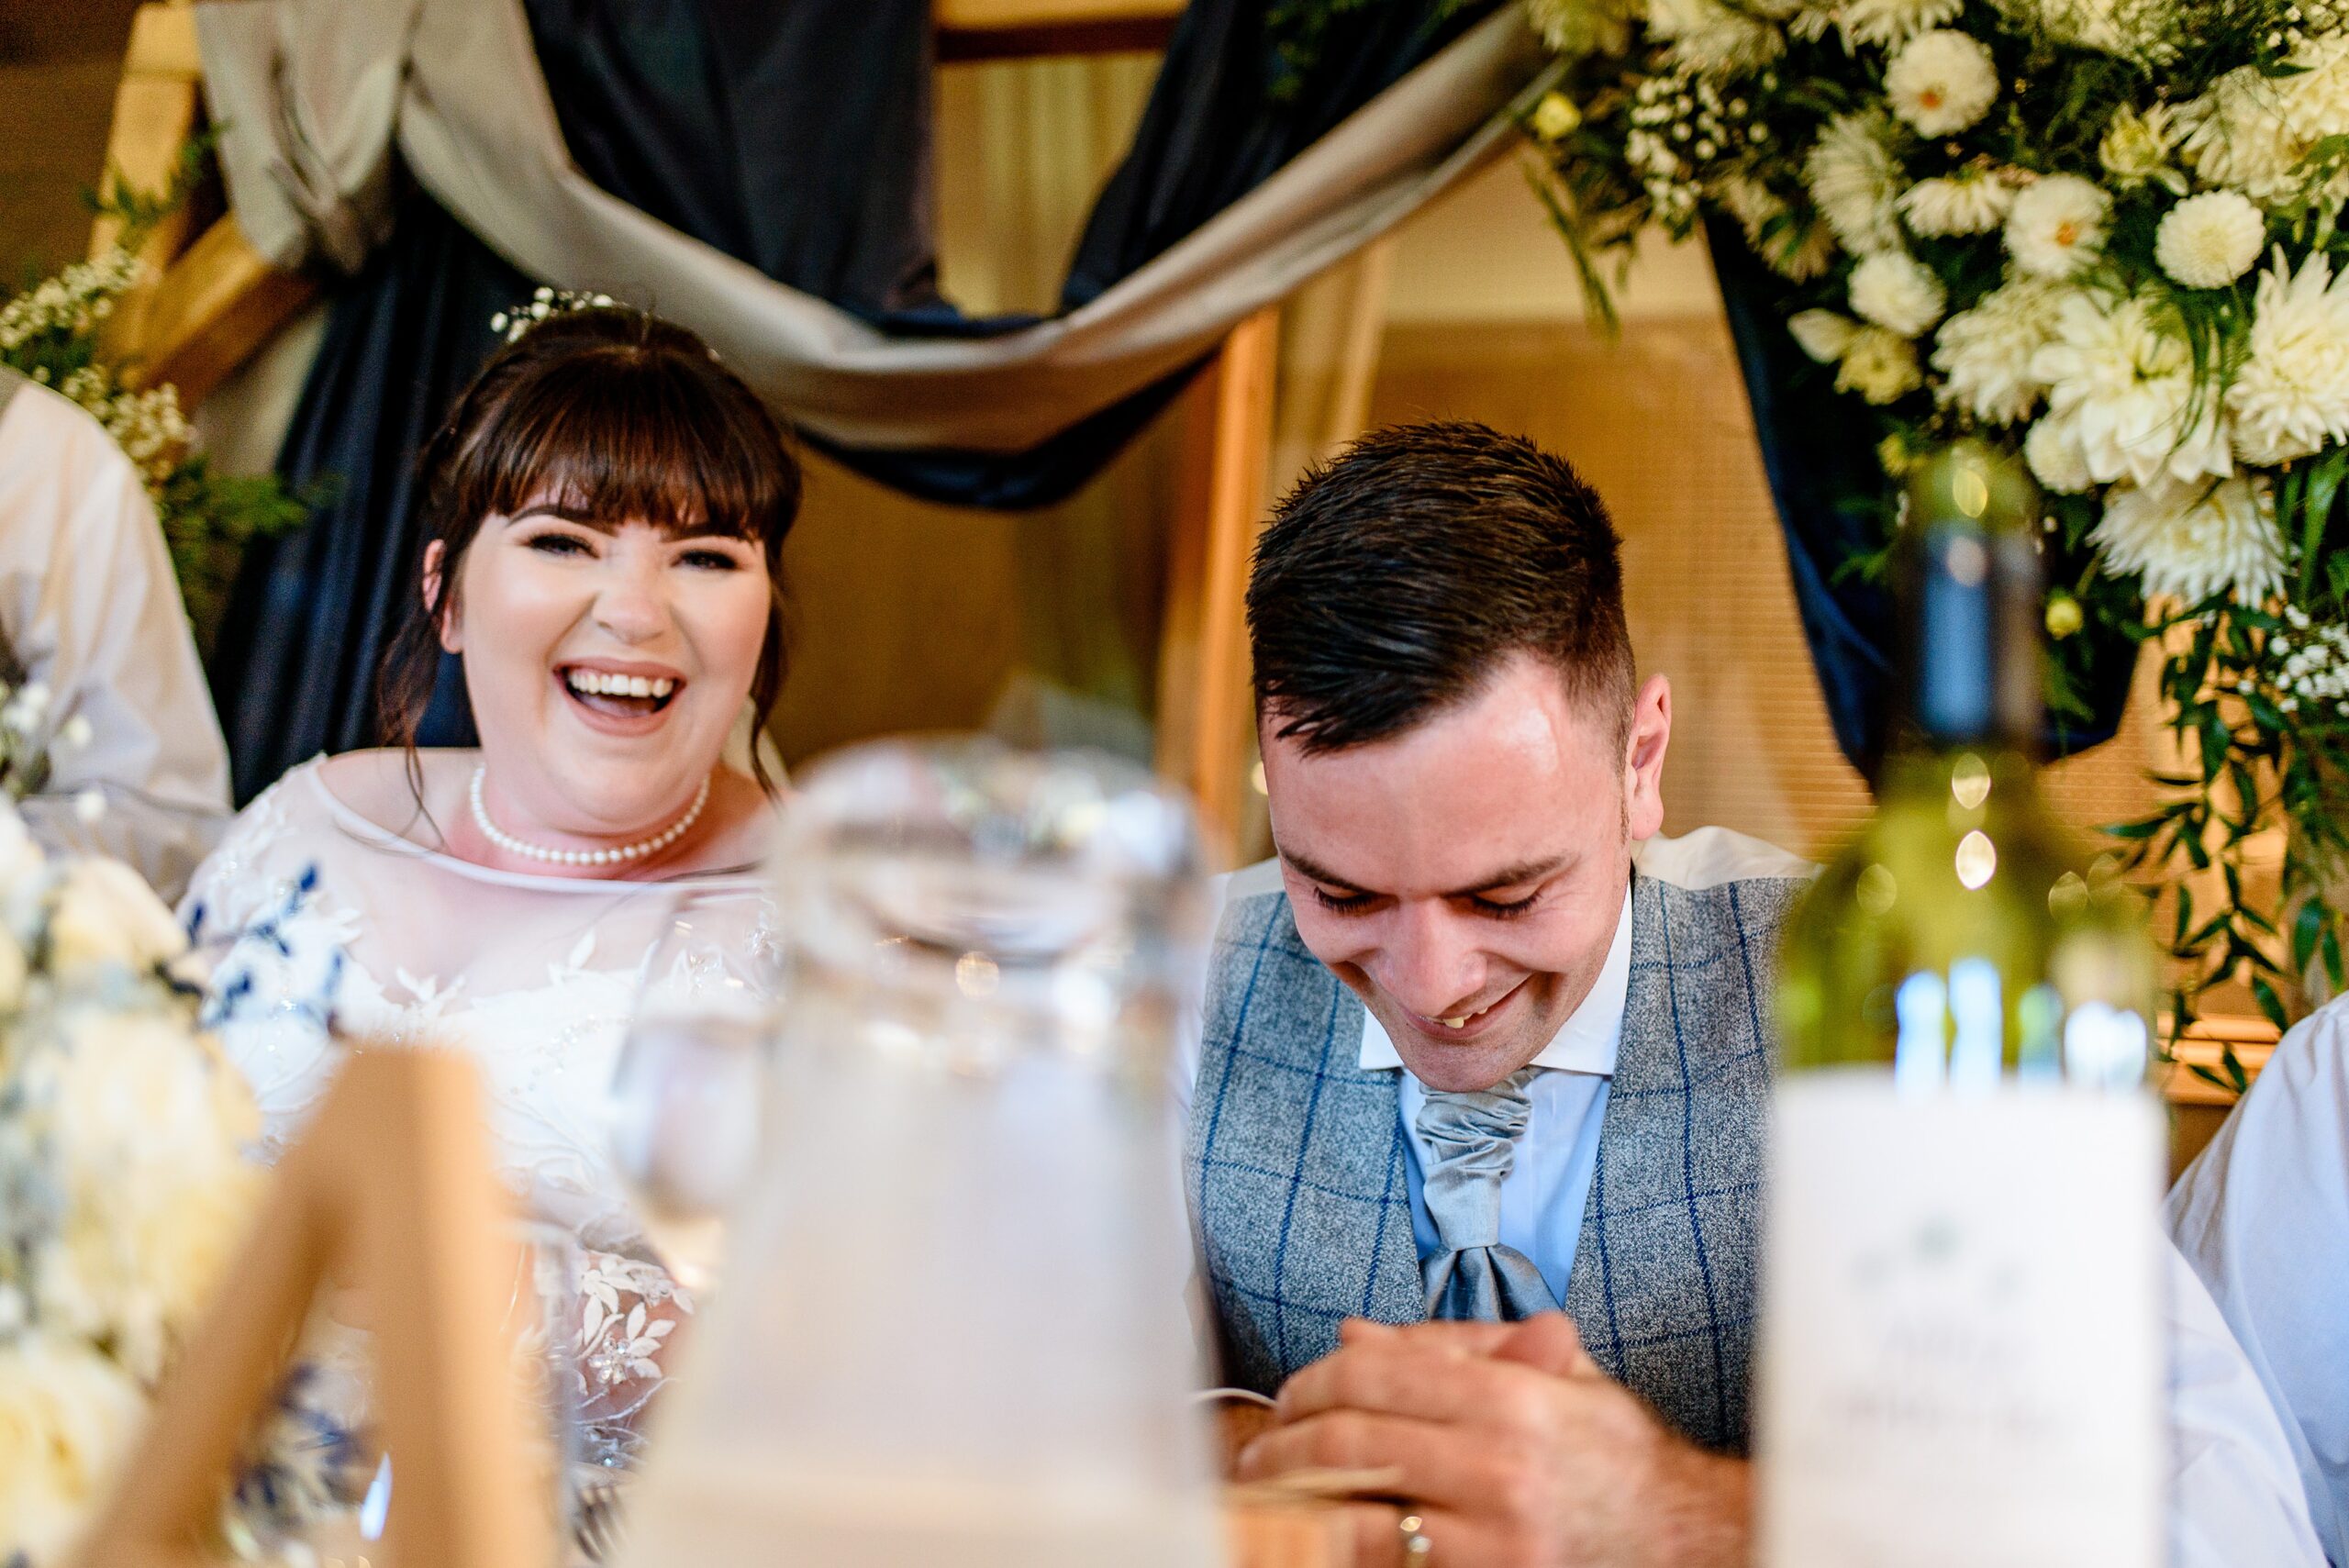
(1481, 1039)
(1464, 1049)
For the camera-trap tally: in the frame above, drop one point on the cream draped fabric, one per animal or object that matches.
(316, 95)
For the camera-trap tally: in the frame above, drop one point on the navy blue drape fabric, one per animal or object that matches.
(795, 138)
(1819, 454)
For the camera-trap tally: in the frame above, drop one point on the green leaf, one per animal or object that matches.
(2307, 927)
(2270, 1004)
(2324, 482)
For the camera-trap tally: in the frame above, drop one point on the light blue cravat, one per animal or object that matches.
(1472, 1142)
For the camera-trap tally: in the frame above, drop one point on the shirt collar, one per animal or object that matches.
(1589, 1039)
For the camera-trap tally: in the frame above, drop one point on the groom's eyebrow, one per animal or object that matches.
(1515, 875)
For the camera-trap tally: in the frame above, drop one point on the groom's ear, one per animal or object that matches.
(443, 613)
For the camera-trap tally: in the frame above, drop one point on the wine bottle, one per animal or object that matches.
(1960, 1360)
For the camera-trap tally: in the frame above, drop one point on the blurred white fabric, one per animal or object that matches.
(90, 608)
(2263, 1215)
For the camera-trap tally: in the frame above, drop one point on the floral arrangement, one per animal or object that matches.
(54, 333)
(123, 1182)
(2101, 235)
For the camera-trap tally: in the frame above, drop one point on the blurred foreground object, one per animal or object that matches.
(1961, 1356)
(953, 1330)
(391, 1192)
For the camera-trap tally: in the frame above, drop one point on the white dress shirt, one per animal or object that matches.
(2235, 1495)
(91, 608)
(2264, 1216)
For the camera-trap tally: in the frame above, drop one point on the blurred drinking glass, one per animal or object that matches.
(687, 1105)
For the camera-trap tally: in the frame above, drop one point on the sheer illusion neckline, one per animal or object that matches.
(365, 828)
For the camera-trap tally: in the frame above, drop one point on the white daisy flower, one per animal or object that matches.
(1941, 82)
(2127, 392)
(2053, 458)
(2291, 395)
(1880, 365)
(1822, 334)
(1973, 201)
(1853, 183)
(1887, 22)
(2057, 227)
(1898, 292)
(2207, 241)
(1985, 353)
(2187, 541)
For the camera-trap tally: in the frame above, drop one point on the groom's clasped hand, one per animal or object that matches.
(1513, 1449)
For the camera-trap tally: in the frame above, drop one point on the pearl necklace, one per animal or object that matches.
(616, 856)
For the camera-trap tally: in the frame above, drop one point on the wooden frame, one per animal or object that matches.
(389, 1191)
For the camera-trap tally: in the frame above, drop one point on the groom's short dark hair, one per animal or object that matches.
(1392, 582)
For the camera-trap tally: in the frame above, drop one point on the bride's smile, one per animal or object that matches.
(617, 656)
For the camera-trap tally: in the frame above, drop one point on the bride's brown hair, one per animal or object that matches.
(618, 414)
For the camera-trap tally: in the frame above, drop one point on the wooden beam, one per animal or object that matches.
(157, 107)
(2204, 1045)
(1204, 705)
(1015, 29)
(215, 308)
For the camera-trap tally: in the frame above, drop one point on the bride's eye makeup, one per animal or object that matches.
(554, 541)
(709, 560)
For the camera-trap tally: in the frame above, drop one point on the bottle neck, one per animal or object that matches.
(1970, 643)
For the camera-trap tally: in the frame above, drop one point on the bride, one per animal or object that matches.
(605, 513)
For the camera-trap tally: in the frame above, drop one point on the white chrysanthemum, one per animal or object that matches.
(2207, 241)
(149, 1127)
(1576, 27)
(1973, 201)
(2315, 101)
(1713, 39)
(1853, 183)
(2291, 395)
(1880, 365)
(2126, 391)
(1797, 250)
(2136, 147)
(1823, 334)
(2236, 136)
(2057, 227)
(68, 1417)
(2187, 541)
(1887, 22)
(1941, 82)
(1895, 291)
(2134, 29)
(2053, 457)
(1985, 353)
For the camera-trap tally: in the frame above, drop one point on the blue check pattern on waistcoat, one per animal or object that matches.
(1298, 1189)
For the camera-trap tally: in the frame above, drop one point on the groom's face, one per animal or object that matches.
(1464, 878)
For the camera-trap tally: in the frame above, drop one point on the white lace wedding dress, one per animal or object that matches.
(309, 910)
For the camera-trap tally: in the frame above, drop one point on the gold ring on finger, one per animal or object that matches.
(1418, 1550)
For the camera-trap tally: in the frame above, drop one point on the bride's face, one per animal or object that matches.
(607, 662)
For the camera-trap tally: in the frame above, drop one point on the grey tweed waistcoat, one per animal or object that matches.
(1298, 1189)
